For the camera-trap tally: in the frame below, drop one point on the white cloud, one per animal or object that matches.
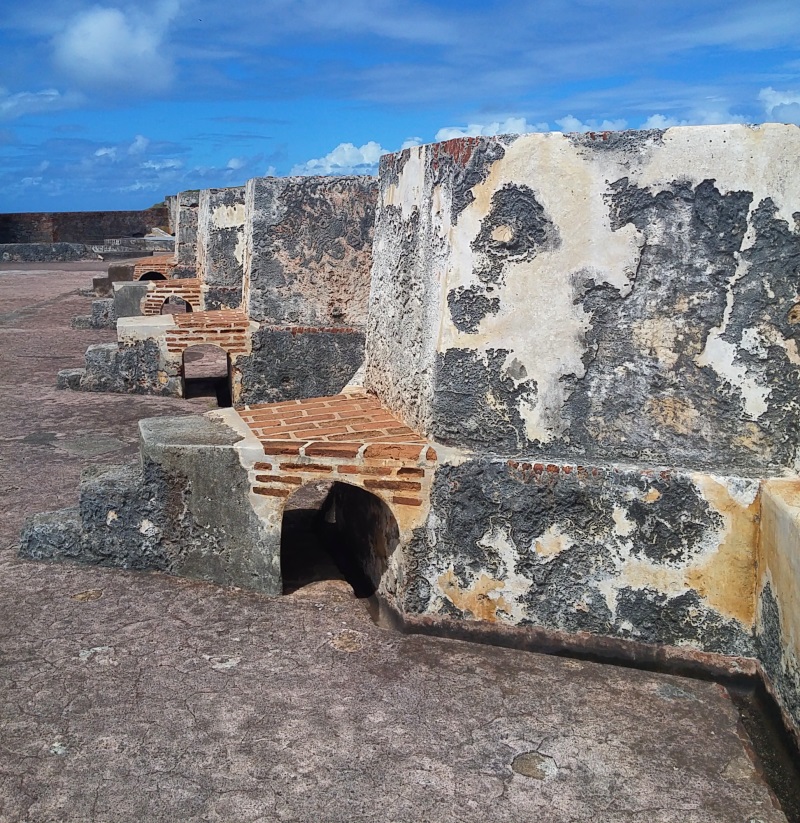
(236, 163)
(346, 158)
(660, 121)
(108, 48)
(511, 125)
(139, 145)
(572, 124)
(106, 151)
(33, 102)
(161, 165)
(781, 106)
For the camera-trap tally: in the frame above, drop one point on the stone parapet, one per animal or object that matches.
(609, 297)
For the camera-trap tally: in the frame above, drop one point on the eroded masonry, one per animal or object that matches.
(577, 416)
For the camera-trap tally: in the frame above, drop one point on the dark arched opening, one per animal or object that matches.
(335, 531)
(175, 305)
(207, 373)
(152, 275)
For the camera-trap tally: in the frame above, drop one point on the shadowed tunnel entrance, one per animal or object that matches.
(335, 531)
(207, 373)
(153, 275)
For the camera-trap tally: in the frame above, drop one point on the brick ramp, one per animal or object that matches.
(348, 437)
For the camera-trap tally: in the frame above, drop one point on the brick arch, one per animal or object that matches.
(158, 267)
(354, 530)
(188, 290)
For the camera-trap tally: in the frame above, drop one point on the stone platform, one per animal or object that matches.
(130, 696)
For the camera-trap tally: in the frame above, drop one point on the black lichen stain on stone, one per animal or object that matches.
(132, 368)
(670, 530)
(515, 230)
(223, 297)
(463, 177)
(621, 142)
(644, 396)
(524, 507)
(468, 306)
(475, 404)
(390, 166)
(654, 617)
(223, 269)
(772, 652)
(289, 366)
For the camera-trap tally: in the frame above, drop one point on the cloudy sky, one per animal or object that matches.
(116, 104)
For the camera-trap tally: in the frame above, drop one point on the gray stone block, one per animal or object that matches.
(53, 536)
(128, 298)
(290, 365)
(103, 315)
(70, 378)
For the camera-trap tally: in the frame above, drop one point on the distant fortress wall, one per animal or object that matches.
(80, 226)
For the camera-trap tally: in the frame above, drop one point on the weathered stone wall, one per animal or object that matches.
(288, 363)
(79, 226)
(188, 204)
(309, 250)
(620, 296)
(45, 252)
(220, 246)
(661, 557)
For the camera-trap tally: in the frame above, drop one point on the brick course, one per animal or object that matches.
(228, 328)
(350, 437)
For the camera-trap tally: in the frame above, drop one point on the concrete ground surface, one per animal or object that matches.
(138, 697)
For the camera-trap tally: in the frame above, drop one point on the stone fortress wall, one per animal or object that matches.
(84, 227)
(579, 406)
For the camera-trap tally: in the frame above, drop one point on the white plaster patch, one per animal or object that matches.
(720, 355)
(622, 526)
(241, 247)
(149, 529)
(760, 159)
(228, 217)
(539, 319)
(552, 542)
(498, 540)
(406, 193)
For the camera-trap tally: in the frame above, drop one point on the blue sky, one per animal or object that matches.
(114, 105)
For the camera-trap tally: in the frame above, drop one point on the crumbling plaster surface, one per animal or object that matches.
(309, 249)
(663, 557)
(778, 617)
(186, 233)
(623, 296)
(220, 245)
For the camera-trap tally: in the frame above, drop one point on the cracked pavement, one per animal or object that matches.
(138, 697)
